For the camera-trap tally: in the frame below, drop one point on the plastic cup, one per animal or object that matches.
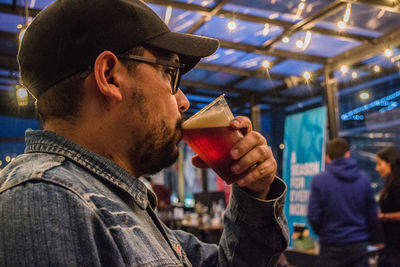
(208, 133)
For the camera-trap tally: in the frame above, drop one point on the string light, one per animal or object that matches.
(266, 29)
(7, 158)
(344, 68)
(347, 13)
(364, 96)
(354, 75)
(22, 96)
(231, 25)
(266, 64)
(388, 52)
(307, 40)
(341, 24)
(285, 39)
(303, 44)
(21, 33)
(168, 13)
(377, 68)
(299, 43)
(307, 75)
(300, 8)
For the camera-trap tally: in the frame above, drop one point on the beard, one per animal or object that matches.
(158, 149)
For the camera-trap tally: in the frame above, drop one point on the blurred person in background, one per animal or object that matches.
(388, 166)
(342, 210)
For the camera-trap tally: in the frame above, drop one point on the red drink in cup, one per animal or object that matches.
(209, 135)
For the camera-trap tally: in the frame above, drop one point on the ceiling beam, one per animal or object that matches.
(365, 51)
(205, 19)
(257, 73)
(307, 23)
(388, 5)
(206, 11)
(244, 92)
(273, 52)
(231, 45)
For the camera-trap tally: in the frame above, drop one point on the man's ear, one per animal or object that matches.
(106, 73)
(347, 154)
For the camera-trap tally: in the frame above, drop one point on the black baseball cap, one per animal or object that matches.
(66, 37)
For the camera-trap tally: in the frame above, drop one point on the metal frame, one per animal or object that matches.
(368, 48)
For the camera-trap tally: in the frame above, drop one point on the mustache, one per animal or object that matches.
(181, 121)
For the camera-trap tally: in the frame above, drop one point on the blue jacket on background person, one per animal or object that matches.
(342, 208)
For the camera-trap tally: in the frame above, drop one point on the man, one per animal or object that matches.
(105, 74)
(342, 209)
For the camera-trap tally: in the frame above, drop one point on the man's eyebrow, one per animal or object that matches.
(173, 57)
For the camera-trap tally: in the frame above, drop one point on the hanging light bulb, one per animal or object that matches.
(354, 75)
(266, 29)
(388, 52)
(22, 96)
(307, 39)
(364, 96)
(307, 75)
(344, 69)
(231, 25)
(21, 33)
(299, 43)
(266, 64)
(300, 8)
(285, 39)
(377, 68)
(347, 13)
(341, 24)
(168, 13)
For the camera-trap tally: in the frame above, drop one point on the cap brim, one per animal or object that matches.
(190, 48)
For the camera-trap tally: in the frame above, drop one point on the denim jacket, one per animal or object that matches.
(63, 205)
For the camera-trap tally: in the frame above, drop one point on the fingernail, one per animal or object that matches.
(235, 168)
(235, 123)
(235, 153)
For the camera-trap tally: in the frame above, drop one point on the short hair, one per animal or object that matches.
(63, 100)
(337, 148)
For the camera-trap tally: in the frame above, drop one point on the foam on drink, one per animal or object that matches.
(211, 116)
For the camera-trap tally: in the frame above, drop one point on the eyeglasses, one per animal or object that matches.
(172, 70)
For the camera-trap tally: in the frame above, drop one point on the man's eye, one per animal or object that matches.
(170, 71)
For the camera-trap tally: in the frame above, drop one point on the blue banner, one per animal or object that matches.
(303, 157)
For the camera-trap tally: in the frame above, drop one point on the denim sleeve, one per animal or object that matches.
(255, 232)
(42, 224)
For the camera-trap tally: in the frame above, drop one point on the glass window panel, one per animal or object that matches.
(252, 61)
(224, 56)
(246, 32)
(207, 3)
(221, 78)
(9, 22)
(180, 20)
(369, 18)
(331, 45)
(258, 84)
(295, 67)
(283, 7)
